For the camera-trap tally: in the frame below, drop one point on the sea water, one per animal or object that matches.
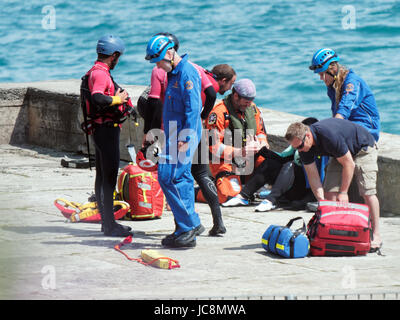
(270, 42)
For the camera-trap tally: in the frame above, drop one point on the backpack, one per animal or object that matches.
(142, 191)
(143, 102)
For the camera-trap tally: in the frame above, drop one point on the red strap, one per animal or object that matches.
(128, 240)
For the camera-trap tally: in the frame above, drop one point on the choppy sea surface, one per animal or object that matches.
(270, 42)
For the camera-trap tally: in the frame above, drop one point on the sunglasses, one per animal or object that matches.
(301, 145)
(318, 66)
(156, 55)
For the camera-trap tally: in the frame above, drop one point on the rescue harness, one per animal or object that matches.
(109, 116)
(88, 212)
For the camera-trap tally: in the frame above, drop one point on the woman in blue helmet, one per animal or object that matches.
(182, 128)
(351, 97)
(353, 100)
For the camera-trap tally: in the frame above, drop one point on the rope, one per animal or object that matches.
(128, 240)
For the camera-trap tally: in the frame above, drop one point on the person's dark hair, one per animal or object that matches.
(309, 121)
(222, 71)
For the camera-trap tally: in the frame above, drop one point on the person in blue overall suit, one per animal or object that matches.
(351, 98)
(182, 129)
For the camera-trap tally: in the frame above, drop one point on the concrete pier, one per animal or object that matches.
(44, 257)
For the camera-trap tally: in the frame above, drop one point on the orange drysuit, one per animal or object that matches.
(224, 168)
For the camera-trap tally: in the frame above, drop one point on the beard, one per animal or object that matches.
(113, 64)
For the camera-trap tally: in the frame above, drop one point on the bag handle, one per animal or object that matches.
(303, 229)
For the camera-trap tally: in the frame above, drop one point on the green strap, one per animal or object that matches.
(249, 117)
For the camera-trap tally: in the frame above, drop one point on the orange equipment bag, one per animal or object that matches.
(142, 191)
(228, 185)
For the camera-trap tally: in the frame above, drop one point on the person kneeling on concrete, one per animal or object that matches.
(284, 171)
(354, 153)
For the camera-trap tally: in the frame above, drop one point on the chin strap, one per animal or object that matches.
(334, 76)
(172, 63)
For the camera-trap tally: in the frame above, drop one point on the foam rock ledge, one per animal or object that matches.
(47, 114)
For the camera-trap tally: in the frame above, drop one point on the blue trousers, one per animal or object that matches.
(177, 182)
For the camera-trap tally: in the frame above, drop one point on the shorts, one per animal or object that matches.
(365, 172)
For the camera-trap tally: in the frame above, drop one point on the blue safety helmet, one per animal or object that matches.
(157, 48)
(322, 59)
(171, 37)
(109, 44)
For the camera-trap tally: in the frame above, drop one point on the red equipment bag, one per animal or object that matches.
(340, 229)
(142, 191)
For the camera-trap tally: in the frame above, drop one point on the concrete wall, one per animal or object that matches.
(14, 116)
(48, 114)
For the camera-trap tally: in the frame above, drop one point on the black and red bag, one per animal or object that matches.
(340, 229)
(142, 191)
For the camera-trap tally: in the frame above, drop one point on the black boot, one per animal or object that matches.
(172, 235)
(198, 230)
(111, 228)
(117, 230)
(218, 227)
(186, 239)
(127, 228)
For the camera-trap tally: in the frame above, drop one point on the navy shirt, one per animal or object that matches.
(334, 137)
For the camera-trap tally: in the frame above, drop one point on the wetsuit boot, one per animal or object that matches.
(101, 210)
(210, 194)
(127, 228)
(117, 230)
(218, 227)
(110, 227)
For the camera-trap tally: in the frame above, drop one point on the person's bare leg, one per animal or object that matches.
(373, 204)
